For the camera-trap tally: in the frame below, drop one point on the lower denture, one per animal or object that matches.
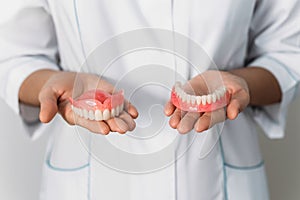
(98, 105)
(205, 103)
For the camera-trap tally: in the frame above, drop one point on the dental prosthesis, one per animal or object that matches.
(205, 103)
(98, 105)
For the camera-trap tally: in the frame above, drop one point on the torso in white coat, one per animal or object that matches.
(145, 163)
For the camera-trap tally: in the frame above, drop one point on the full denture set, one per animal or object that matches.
(205, 103)
(98, 105)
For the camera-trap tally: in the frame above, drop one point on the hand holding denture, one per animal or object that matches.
(98, 105)
(194, 105)
(199, 103)
(95, 104)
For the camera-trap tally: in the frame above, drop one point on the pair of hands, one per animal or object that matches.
(54, 95)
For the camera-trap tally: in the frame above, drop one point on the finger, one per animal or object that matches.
(233, 109)
(128, 107)
(98, 127)
(117, 125)
(209, 119)
(187, 123)
(176, 117)
(237, 104)
(169, 108)
(128, 120)
(65, 110)
(48, 105)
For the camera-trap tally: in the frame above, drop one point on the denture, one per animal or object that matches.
(204, 103)
(98, 105)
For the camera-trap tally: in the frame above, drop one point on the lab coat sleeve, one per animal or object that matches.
(27, 44)
(275, 45)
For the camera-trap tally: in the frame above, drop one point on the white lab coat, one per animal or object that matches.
(234, 34)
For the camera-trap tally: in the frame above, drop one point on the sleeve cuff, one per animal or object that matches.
(272, 118)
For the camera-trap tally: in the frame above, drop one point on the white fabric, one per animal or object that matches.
(234, 34)
(239, 188)
(28, 44)
(274, 45)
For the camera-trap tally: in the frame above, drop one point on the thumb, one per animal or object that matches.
(48, 104)
(169, 108)
(237, 104)
(233, 109)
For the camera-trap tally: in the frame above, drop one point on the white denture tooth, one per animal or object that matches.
(198, 100)
(98, 115)
(203, 100)
(208, 98)
(217, 95)
(117, 111)
(113, 112)
(77, 111)
(193, 99)
(214, 97)
(224, 90)
(85, 114)
(121, 107)
(177, 88)
(181, 93)
(106, 114)
(91, 115)
(80, 112)
(177, 93)
(220, 92)
(188, 98)
(178, 84)
(184, 97)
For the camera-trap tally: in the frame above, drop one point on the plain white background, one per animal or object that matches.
(21, 159)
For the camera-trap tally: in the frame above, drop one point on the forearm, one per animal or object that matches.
(31, 87)
(263, 86)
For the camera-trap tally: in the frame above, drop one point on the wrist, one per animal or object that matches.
(33, 84)
(263, 87)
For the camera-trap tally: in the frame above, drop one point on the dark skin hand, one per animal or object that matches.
(253, 86)
(51, 90)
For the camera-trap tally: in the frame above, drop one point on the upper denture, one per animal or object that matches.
(98, 104)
